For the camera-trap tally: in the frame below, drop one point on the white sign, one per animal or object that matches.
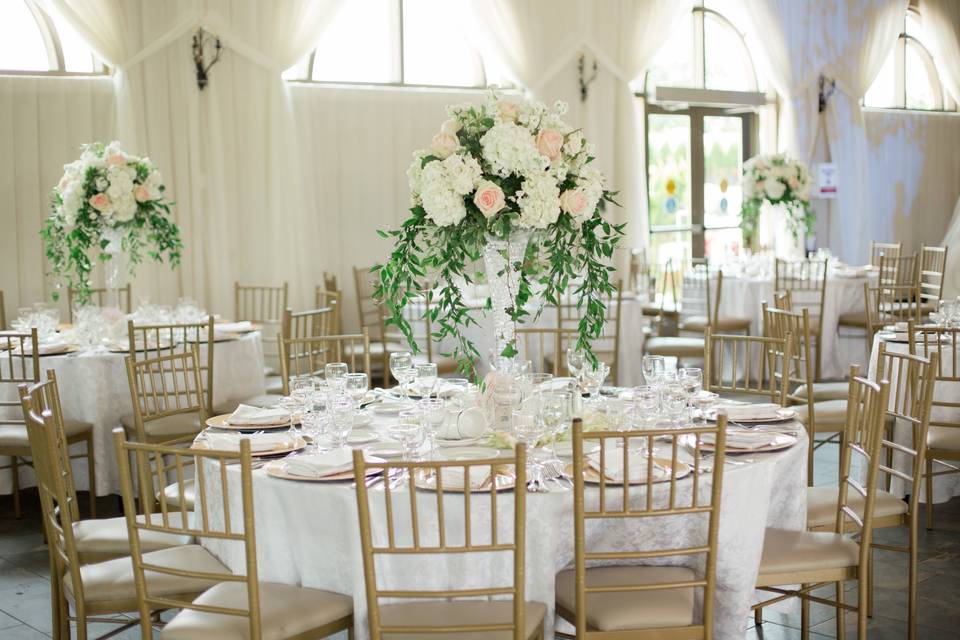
(827, 180)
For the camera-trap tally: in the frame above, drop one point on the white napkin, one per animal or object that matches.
(247, 415)
(453, 477)
(234, 327)
(747, 438)
(760, 411)
(259, 442)
(470, 423)
(614, 465)
(321, 464)
(46, 347)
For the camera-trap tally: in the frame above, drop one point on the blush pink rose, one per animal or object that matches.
(794, 184)
(117, 160)
(489, 198)
(574, 202)
(443, 144)
(508, 110)
(100, 202)
(142, 194)
(549, 143)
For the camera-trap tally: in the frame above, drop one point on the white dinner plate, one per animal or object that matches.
(361, 436)
(362, 419)
(782, 416)
(390, 407)
(469, 453)
(460, 442)
(385, 450)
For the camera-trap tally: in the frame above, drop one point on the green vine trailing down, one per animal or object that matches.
(493, 170)
(107, 193)
(779, 180)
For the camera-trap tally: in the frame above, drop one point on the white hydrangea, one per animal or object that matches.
(539, 201)
(591, 182)
(510, 148)
(414, 176)
(463, 173)
(125, 208)
(441, 202)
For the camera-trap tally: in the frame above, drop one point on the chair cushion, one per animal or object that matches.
(175, 425)
(786, 551)
(828, 413)
(99, 539)
(631, 610)
(15, 435)
(265, 400)
(172, 494)
(944, 438)
(855, 319)
(822, 505)
(285, 611)
(109, 585)
(441, 614)
(723, 323)
(275, 385)
(674, 346)
(824, 391)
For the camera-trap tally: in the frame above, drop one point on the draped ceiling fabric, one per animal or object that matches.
(228, 152)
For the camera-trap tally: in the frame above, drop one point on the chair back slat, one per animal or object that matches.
(899, 271)
(165, 386)
(879, 250)
(747, 365)
(942, 342)
(330, 299)
(309, 356)
(98, 298)
(695, 291)
(933, 264)
(262, 304)
(570, 315)
(147, 341)
(637, 494)
(546, 348)
(19, 364)
(3, 313)
(408, 489)
(805, 281)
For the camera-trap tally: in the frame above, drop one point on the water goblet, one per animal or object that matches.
(704, 401)
(653, 368)
(409, 433)
(555, 417)
(593, 378)
(646, 404)
(526, 428)
(301, 390)
(335, 373)
(575, 361)
(401, 366)
(425, 379)
(355, 386)
(312, 424)
(433, 411)
(691, 378)
(341, 419)
(673, 403)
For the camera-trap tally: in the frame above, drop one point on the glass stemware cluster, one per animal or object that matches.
(327, 402)
(947, 313)
(669, 398)
(45, 318)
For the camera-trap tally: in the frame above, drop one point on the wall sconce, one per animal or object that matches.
(200, 40)
(584, 80)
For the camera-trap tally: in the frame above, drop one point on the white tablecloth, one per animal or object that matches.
(94, 388)
(946, 486)
(742, 297)
(307, 534)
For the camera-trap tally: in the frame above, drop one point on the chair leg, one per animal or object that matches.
(928, 483)
(15, 484)
(862, 596)
(758, 616)
(91, 476)
(912, 593)
(804, 616)
(841, 613)
(870, 566)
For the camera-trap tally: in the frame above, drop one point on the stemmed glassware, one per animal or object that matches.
(653, 368)
(409, 433)
(673, 402)
(425, 379)
(646, 405)
(433, 411)
(335, 374)
(691, 378)
(401, 366)
(302, 388)
(593, 378)
(355, 385)
(341, 409)
(704, 401)
(554, 416)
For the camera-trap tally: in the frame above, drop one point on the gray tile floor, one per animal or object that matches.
(25, 578)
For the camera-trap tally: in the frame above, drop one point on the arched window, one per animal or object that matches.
(700, 95)
(908, 78)
(396, 42)
(33, 40)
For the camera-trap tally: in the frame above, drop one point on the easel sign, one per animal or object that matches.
(827, 180)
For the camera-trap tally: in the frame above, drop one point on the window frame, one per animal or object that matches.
(51, 43)
(400, 57)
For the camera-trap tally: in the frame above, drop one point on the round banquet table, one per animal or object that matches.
(94, 388)
(308, 534)
(632, 321)
(946, 486)
(742, 297)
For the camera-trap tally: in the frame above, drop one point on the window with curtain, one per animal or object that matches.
(397, 42)
(34, 40)
(909, 78)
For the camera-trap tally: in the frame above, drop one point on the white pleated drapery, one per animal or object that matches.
(941, 22)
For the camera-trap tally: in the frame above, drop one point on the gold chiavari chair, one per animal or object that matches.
(816, 558)
(806, 283)
(545, 347)
(168, 398)
(888, 304)
(263, 305)
(443, 613)
(640, 279)
(607, 346)
(330, 299)
(371, 317)
(700, 301)
(943, 439)
(231, 605)
(898, 270)
(752, 367)
(98, 298)
(643, 601)
(418, 314)
(881, 249)
(304, 356)
(911, 392)
(20, 364)
(667, 342)
(821, 390)
(146, 341)
(330, 282)
(932, 264)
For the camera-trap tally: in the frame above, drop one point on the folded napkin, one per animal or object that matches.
(469, 423)
(319, 465)
(259, 442)
(613, 464)
(759, 411)
(254, 416)
(46, 347)
(748, 438)
(453, 477)
(234, 327)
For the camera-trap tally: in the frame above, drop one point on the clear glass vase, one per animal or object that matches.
(113, 266)
(503, 258)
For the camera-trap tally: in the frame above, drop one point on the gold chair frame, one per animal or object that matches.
(931, 267)
(3, 313)
(165, 386)
(888, 304)
(809, 279)
(767, 377)
(549, 344)
(303, 356)
(99, 294)
(333, 299)
(881, 249)
(606, 347)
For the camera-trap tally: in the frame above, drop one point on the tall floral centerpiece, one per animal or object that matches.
(511, 183)
(108, 202)
(777, 180)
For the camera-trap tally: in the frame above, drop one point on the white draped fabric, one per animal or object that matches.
(941, 21)
(951, 281)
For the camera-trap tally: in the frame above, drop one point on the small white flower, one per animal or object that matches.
(539, 202)
(509, 148)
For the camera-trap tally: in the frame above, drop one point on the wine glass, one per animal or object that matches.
(653, 368)
(646, 404)
(301, 390)
(410, 434)
(691, 378)
(593, 377)
(341, 419)
(673, 402)
(401, 366)
(335, 374)
(433, 411)
(425, 379)
(555, 416)
(355, 385)
(312, 424)
(575, 361)
(704, 401)
(531, 384)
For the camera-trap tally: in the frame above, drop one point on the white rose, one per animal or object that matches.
(444, 144)
(774, 189)
(462, 173)
(102, 184)
(115, 191)
(451, 126)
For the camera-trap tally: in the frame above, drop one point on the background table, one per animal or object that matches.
(94, 388)
(946, 486)
(307, 534)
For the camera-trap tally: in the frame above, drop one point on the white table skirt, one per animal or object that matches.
(94, 388)
(946, 486)
(308, 534)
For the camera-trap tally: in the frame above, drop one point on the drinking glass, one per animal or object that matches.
(335, 374)
(355, 385)
(425, 379)
(653, 368)
(409, 433)
(341, 419)
(575, 361)
(692, 380)
(593, 377)
(555, 417)
(454, 390)
(704, 401)
(531, 384)
(301, 390)
(433, 411)
(401, 366)
(646, 404)
(673, 402)
(312, 424)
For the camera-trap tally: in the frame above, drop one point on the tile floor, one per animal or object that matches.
(25, 578)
